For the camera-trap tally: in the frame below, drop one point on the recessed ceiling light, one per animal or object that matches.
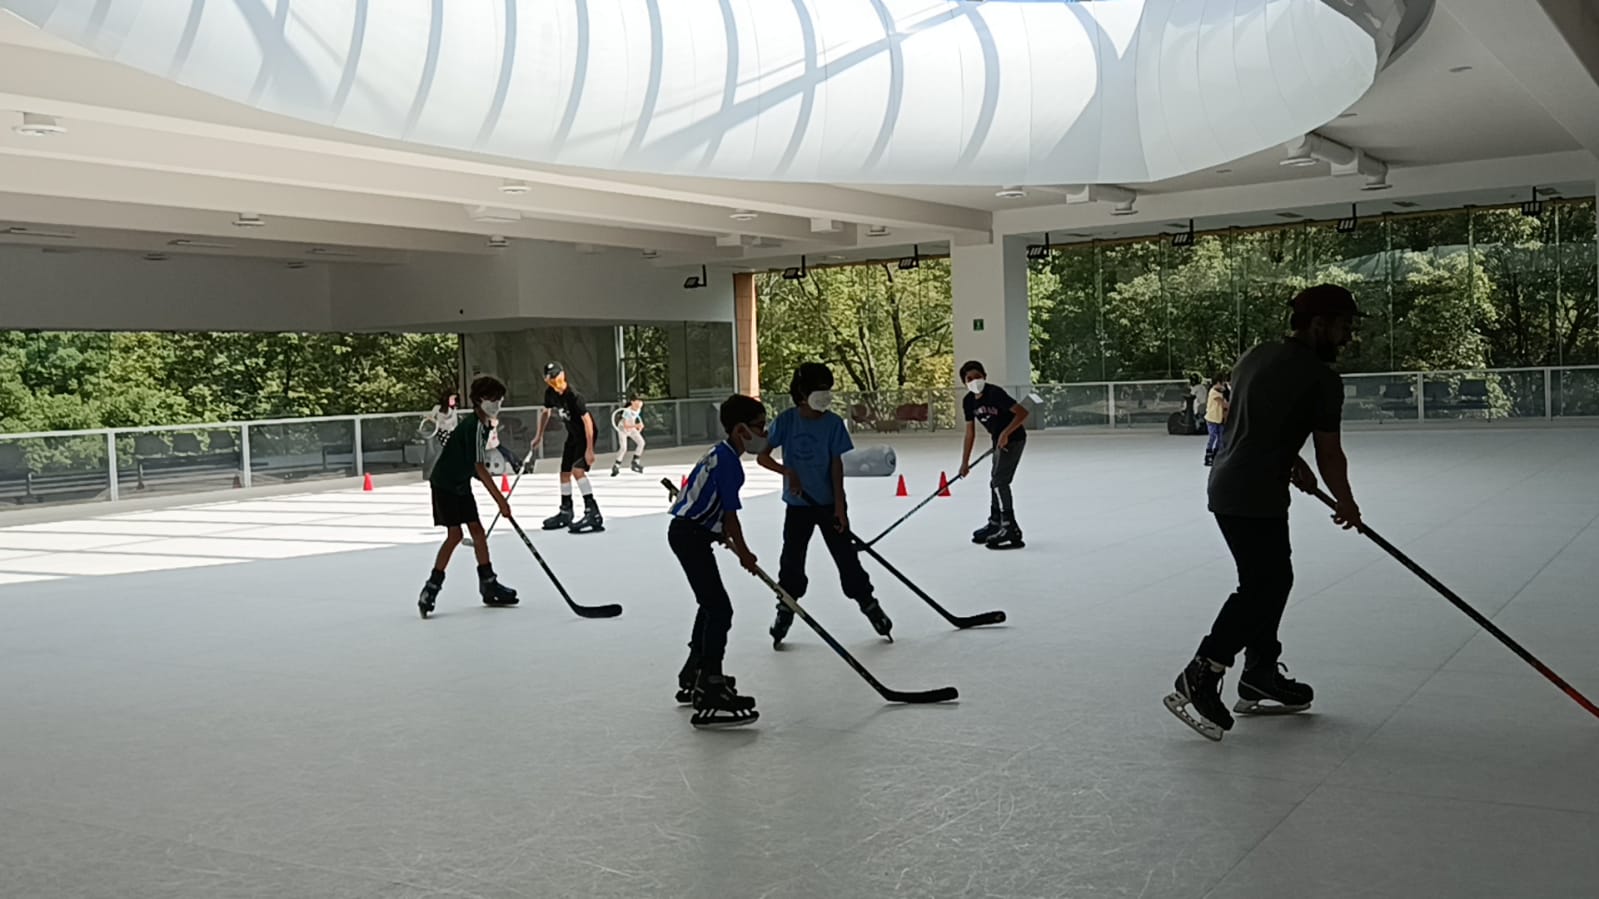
(513, 187)
(498, 242)
(295, 264)
(877, 231)
(248, 220)
(1406, 204)
(1011, 193)
(155, 257)
(1289, 215)
(199, 244)
(744, 215)
(1347, 115)
(35, 125)
(1299, 162)
(651, 254)
(1224, 171)
(34, 232)
(324, 251)
(1376, 182)
(1124, 209)
(1456, 70)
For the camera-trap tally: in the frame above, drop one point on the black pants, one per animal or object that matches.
(1001, 509)
(798, 524)
(694, 547)
(1249, 619)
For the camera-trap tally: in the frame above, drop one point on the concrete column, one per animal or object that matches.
(677, 358)
(989, 283)
(746, 336)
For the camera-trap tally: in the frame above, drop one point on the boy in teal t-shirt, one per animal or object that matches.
(814, 441)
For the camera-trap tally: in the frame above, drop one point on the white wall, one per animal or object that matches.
(112, 291)
(614, 285)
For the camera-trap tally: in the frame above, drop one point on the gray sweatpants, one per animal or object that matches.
(1000, 508)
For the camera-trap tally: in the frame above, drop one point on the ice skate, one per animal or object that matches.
(616, 469)
(780, 626)
(879, 619)
(1199, 690)
(591, 522)
(982, 534)
(1008, 537)
(1268, 690)
(430, 595)
(561, 519)
(495, 593)
(687, 678)
(717, 704)
(637, 466)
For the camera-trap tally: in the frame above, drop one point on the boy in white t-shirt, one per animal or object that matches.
(631, 427)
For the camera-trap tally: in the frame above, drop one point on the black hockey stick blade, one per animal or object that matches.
(606, 611)
(1473, 614)
(930, 497)
(961, 621)
(942, 694)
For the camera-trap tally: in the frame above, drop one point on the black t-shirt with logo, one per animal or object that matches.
(466, 448)
(992, 409)
(570, 409)
(1282, 391)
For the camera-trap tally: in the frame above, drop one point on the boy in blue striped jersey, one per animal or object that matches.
(705, 513)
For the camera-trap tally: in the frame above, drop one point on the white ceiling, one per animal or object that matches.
(146, 161)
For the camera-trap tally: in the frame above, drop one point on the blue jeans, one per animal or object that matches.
(1216, 432)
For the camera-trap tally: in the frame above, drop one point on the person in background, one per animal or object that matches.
(1199, 392)
(577, 455)
(631, 430)
(999, 413)
(435, 428)
(1216, 405)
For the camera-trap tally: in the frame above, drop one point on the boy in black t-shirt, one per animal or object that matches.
(577, 455)
(464, 457)
(1003, 417)
(1283, 393)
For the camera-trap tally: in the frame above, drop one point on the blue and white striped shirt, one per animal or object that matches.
(712, 489)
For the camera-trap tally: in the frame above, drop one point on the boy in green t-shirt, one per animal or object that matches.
(465, 457)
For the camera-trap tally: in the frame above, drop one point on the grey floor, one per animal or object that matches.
(243, 702)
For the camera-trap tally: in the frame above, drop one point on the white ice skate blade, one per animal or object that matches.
(1177, 704)
(1257, 707)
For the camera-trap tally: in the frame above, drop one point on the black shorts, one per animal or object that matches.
(574, 455)
(452, 510)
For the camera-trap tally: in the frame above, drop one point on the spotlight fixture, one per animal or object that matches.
(1351, 224)
(695, 282)
(744, 215)
(1376, 182)
(877, 231)
(1039, 252)
(513, 187)
(248, 220)
(1011, 193)
(498, 242)
(1184, 238)
(35, 125)
(913, 261)
(797, 274)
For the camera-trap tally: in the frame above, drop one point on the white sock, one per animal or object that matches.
(585, 487)
(566, 488)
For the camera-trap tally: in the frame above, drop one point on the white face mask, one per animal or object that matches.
(820, 400)
(491, 408)
(754, 443)
(976, 385)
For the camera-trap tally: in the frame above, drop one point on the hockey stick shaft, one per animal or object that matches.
(930, 497)
(527, 461)
(942, 694)
(1473, 614)
(606, 611)
(862, 546)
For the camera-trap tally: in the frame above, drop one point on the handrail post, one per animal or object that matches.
(1110, 405)
(677, 422)
(1548, 394)
(359, 456)
(112, 492)
(244, 455)
(1421, 397)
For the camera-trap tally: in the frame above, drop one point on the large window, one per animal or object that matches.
(1464, 289)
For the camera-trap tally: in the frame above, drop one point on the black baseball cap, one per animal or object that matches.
(1326, 299)
(552, 370)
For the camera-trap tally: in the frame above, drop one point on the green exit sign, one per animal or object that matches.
(977, 324)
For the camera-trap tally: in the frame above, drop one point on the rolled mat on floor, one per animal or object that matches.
(870, 462)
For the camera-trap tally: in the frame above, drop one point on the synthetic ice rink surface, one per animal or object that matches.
(238, 699)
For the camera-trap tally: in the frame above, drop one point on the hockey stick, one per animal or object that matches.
(942, 694)
(527, 466)
(918, 507)
(1471, 613)
(607, 611)
(960, 621)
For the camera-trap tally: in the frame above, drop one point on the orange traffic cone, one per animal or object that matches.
(900, 490)
(505, 483)
(943, 484)
(366, 483)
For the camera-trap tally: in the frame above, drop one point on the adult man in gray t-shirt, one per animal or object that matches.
(1283, 393)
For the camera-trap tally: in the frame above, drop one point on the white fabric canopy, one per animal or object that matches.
(864, 91)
